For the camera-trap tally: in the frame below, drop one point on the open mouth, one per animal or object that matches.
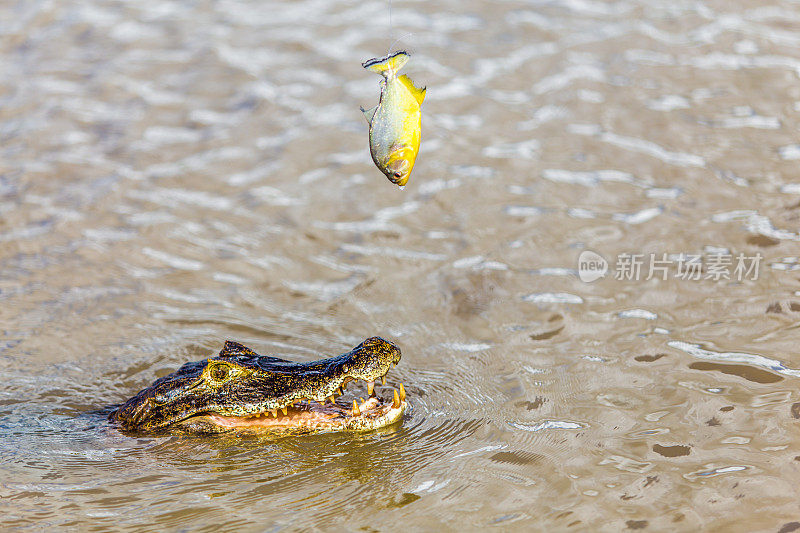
(304, 415)
(240, 390)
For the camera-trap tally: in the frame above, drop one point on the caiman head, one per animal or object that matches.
(240, 390)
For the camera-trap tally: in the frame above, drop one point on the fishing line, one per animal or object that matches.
(409, 34)
(389, 51)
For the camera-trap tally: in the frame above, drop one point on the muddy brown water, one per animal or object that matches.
(174, 174)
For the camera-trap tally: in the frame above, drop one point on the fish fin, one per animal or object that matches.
(419, 94)
(369, 113)
(383, 65)
(232, 348)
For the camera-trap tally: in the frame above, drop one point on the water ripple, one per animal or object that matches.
(179, 173)
(773, 365)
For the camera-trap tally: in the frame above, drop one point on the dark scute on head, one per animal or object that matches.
(233, 348)
(242, 355)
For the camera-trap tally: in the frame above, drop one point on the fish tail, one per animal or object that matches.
(387, 66)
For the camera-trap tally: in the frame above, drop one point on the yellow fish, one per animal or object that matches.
(395, 123)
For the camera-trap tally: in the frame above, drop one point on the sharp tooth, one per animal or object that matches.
(370, 387)
(274, 413)
(331, 398)
(356, 410)
(283, 409)
(396, 400)
(402, 393)
(383, 380)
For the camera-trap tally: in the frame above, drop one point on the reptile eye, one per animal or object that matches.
(219, 372)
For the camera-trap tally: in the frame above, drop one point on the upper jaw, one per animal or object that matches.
(325, 396)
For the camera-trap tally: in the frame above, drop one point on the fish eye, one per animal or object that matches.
(398, 174)
(219, 372)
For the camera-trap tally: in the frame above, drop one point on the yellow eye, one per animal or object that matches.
(219, 372)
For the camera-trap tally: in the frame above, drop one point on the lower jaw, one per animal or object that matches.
(318, 420)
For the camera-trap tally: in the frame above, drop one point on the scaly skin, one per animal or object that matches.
(240, 390)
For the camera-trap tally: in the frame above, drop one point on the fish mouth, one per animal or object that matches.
(307, 416)
(399, 181)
